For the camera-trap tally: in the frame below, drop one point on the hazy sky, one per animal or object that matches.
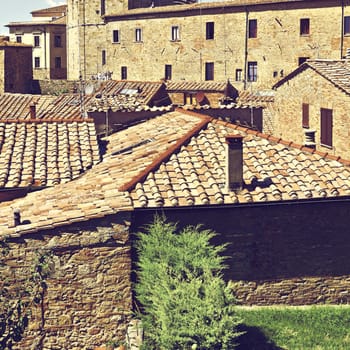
(19, 10)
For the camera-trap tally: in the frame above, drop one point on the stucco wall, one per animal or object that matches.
(88, 299)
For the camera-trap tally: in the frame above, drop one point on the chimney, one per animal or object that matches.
(16, 217)
(32, 108)
(310, 138)
(234, 162)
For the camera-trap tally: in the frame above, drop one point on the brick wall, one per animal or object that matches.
(292, 253)
(88, 299)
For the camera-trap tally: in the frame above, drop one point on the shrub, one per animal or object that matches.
(185, 302)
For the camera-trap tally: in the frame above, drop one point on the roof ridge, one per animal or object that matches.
(166, 154)
(275, 139)
(42, 120)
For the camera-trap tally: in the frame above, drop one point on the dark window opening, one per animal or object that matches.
(18, 39)
(103, 7)
(347, 25)
(252, 28)
(305, 26)
(58, 41)
(209, 71)
(209, 30)
(36, 62)
(252, 71)
(58, 62)
(305, 115)
(124, 73)
(175, 33)
(168, 72)
(116, 36)
(103, 57)
(327, 127)
(36, 40)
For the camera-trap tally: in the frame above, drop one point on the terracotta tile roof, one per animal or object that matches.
(184, 85)
(336, 71)
(5, 43)
(124, 95)
(17, 106)
(96, 194)
(36, 153)
(178, 159)
(54, 9)
(256, 98)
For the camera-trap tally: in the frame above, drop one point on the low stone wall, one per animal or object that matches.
(88, 299)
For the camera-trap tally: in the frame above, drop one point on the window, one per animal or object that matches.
(252, 28)
(36, 40)
(326, 127)
(301, 60)
(138, 35)
(103, 7)
(305, 115)
(18, 39)
(252, 71)
(36, 62)
(168, 72)
(58, 62)
(124, 73)
(103, 57)
(190, 99)
(116, 36)
(305, 26)
(58, 41)
(347, 25)
(238, 75)
(209, 33)
(175, 33)
(209, 71)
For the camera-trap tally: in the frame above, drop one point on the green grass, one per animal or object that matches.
(295, 328)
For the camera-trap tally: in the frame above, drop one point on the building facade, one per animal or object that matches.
(47, 34)
(253, 43)
(16, 72)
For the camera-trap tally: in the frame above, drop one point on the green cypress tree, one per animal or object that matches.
(186, 303)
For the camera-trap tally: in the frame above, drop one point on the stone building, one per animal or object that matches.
(312, 106)
(282, 207)
(16, 72)
(253, 43)
(47, 34)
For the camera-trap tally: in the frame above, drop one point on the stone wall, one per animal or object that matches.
(311, 88)
(276, 49)
(282, 253)
(88, 298)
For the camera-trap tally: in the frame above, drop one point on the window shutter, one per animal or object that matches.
(326, 127)
(305, 121)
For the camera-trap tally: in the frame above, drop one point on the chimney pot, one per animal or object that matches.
(32, 108)
(234, 162)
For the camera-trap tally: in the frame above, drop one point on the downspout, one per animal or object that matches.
(246, 49)
(84, 39)
(45, 52)
(342, 30)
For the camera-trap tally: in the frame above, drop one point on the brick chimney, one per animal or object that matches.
(32, 108)
(234, 162)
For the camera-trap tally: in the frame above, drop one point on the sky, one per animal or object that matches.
(19, 10)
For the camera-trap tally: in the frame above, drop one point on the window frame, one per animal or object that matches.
(346, 26)
(210, 30)
(326, 133)
(175, 33)
(209, 71)
(138, 35)
(36, 39)
(168, 72)
(252, 71)
(304, 26)
(116, 35)
(124, 73)
(305, 113)
(252, 28)
(37, 63)
(239, 74)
